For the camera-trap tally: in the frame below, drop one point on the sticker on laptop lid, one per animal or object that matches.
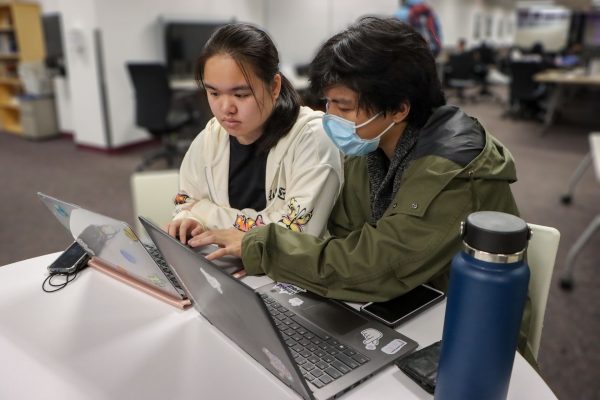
(212, 281)
(155, 280)
(287, 288)
(280, 367)
(130, 234)
(61, 211)
(128, 256)
(295, 302)
(393, 347)
(372, 337)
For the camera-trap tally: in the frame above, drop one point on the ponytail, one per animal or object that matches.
(282, 118)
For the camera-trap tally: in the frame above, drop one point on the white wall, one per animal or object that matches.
(79, 19)
(299, 27)
(545, 24)
(458, 18)
(78, 97)
(62, 92)
(316, 20)
(297, 38)
(131, 31)
(345, 12)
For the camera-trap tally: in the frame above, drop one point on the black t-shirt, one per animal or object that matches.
(247, 172)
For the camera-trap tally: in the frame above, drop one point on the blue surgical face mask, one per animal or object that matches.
(342, 133)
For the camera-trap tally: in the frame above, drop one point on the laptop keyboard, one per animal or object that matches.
(160, 261)
(321, 358)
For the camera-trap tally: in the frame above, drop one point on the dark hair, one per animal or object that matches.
(251, 47)
(537, 48)
(386, 62)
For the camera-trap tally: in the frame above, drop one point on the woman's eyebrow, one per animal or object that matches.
(233, 89)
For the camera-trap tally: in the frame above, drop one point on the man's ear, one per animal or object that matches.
(402, 114)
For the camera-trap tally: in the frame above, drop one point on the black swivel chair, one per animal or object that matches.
(460, 74)
(526, 94)
(155, 112)
(485, 59)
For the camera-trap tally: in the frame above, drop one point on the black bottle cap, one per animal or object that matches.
(495, 232)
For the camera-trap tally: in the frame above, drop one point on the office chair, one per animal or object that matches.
(566, 281)
(525, 94)
(152, 193)
(155, 112)
(487, 73)
(460, 74)
(541, 255)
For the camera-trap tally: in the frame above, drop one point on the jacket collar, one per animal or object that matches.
(451, 145)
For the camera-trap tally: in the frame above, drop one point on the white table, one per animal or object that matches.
(101, 339)
(592, 157)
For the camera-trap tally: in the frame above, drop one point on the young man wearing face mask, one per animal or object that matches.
(415, 168)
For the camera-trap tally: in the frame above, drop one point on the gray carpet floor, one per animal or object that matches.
(569, 355)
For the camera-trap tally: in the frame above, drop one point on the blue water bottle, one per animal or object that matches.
(486, 296)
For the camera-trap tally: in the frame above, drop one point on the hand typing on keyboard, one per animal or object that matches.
(184, 228)
(239, 274)
(228, 240)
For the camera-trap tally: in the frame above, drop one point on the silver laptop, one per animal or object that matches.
(316, 346)
(115, 243)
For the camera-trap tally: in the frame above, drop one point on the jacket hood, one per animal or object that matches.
(451, 145)
(455, 136)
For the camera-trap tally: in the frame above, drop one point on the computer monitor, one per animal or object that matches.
(590, 36)
(591, 33)
(183, 44)
(53, 40)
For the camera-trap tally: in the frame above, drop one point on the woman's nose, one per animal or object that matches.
(228, 105)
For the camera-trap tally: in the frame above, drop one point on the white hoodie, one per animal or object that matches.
(304, 176)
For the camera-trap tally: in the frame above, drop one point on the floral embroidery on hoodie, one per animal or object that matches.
(296, 218)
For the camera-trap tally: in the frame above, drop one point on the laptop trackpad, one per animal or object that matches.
(334, 319)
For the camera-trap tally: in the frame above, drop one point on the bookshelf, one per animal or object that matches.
(21, 40)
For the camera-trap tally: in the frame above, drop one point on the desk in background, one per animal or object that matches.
(101, 339)
(562, 80)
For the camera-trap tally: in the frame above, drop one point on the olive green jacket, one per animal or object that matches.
(457, 169)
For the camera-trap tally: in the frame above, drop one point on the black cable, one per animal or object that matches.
(68, 278)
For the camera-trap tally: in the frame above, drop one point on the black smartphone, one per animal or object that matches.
(71, 260)
(404, 307)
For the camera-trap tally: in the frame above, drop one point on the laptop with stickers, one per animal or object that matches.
(316, 346)
(116, 250)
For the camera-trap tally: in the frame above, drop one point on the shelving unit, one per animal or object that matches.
(21, 40)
